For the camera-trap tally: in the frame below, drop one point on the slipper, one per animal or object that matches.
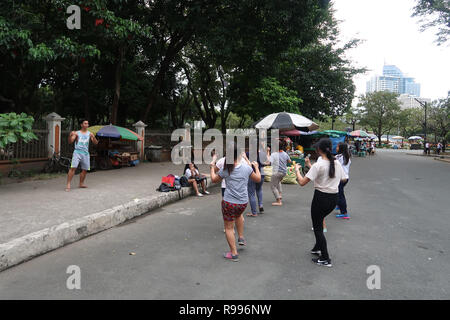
(251, 215)
(67, 189)
(277, 204)
(231, 257)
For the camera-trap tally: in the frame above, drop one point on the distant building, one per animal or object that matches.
(408, 101)
(393, 80)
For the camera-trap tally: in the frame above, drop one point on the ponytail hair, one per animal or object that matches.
(325, 146)
(343, 149)
(230, 166)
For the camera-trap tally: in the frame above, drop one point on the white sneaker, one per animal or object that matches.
(199, 195)
(205, 192)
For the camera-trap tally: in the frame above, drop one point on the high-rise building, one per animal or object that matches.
(393, 80)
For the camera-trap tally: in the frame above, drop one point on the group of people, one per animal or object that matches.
(242, 183)
(439, 148)
(366, 146)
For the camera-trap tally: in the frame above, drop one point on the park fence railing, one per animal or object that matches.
(35, 150)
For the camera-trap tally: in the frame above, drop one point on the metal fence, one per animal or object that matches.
(35, 149)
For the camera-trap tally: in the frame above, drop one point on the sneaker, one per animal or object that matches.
(325, 230)
(228, 255)
(325, 263)
(199, 195)
(261, 210)
(337, 208)
(316, 252)
(242, 242)
(205, 192)
(343, 216)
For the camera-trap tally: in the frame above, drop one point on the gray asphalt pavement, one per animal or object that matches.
(399, 206)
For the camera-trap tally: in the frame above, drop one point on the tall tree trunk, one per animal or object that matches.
(174, 47)
(118, 76)
(223, 122)
(84, 79)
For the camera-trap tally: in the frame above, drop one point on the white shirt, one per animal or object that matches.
(319, 174)
(188, 173)
(346, 167)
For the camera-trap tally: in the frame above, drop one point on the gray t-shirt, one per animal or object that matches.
(279, 160)
(236, 191)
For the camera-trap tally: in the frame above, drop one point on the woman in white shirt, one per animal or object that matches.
(326, 173)
(343, 156)
(195, 178)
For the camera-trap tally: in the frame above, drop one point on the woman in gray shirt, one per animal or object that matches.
(234, 202)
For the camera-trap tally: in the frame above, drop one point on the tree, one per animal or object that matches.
(128, 61)
(271, 97)
(380, 112)
(411, 122)
(316, 70)
(434, 13)
(352, 117)
(439, 118)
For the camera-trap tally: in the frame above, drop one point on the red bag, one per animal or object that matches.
(169, 180)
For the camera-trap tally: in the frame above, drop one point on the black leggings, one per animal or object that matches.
(322, 205)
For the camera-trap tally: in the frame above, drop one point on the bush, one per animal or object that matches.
(15, 127)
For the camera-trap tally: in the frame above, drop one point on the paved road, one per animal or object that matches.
(400, 222)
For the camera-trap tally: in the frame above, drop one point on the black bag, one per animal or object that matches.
(184, 181)
(164, 188)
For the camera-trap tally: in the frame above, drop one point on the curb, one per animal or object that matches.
(429, 156)
(37, 243)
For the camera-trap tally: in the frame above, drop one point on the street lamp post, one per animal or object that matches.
(425, 107)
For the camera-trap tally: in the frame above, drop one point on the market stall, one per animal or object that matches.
(292, 128)
(116, 148)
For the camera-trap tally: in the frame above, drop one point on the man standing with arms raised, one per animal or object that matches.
(81, 153)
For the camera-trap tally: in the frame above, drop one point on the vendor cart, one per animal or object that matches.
(116, 148)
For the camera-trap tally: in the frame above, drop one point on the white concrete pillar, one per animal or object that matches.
(140, 130)
(187, 134)
(54, 133)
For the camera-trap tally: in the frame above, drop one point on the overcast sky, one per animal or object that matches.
(391, 35)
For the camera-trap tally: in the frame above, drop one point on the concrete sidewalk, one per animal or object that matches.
(39, 216)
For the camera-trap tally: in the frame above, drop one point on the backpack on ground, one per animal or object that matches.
(170, 183)
(168, 180)
(184, 181)
(164, 188)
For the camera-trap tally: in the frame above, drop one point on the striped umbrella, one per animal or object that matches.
(111, 131)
